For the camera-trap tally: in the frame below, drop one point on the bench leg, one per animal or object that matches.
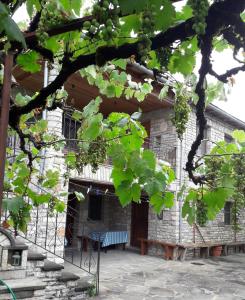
(143, 248)
(175, 253)
(167, 252)
(204, 252)
(182, 252)
(225, 250)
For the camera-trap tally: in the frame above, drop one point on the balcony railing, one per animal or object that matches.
(163, 152)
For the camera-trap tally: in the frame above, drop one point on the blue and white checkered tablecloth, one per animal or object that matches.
(109, 237)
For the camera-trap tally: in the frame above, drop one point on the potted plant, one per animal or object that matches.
(216, 250)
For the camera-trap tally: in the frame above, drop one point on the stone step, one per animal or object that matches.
(50, 266)
(84, 284)
(23, 289)
(35, 256)
(13, 274)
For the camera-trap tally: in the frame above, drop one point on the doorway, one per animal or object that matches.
(139, 222)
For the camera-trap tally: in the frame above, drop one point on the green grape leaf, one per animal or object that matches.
(13, 204)
(123, 191)
(80, 196)
(168, 199)
(165, 14)
(92, 108)
(10, 27)
(92, 128)
(121, 63)
(149, 158)
(129, 7)
(119, 175)
(51, 179)
(239, 135)
(59, 206)
(130, 23)
(29, 61)
(136, 192)
(70, 159)
(31, 5)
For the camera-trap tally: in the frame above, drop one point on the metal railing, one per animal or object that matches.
(164, 152)
(49, 231)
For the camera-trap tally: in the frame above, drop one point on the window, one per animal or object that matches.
(227, 213)
(228, 139)
(69, 130)
(95, 207)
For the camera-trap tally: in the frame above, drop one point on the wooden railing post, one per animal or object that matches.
(4, 118)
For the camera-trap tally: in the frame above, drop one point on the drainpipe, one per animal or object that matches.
(44, 114)
(180, 185)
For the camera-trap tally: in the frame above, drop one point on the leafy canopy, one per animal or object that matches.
(99, 42)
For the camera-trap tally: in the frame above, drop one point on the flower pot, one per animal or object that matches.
(216, 251)
(5, 224)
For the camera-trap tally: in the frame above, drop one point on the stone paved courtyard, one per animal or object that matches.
(127, 275)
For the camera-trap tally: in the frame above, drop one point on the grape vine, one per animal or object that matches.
(238, 163)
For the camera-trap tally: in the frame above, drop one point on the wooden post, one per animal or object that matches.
(4, 118)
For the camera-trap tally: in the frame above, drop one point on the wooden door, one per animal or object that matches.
(139, 222)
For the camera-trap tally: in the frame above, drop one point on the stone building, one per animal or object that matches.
(101, 211)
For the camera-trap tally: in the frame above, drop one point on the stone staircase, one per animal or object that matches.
(43, 279)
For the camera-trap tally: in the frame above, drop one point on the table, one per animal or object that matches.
(108, 238)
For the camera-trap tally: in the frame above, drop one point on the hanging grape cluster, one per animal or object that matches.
(238, 162)
(213, 166)
(201, 213)
(181, 115)
(163, 55)
(105, 24)
(94, 155)
(200, 11)
(51, 16)
(148, 24)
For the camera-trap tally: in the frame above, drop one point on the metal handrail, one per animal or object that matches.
(9, 289)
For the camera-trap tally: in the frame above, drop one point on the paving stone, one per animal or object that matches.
(126, 276)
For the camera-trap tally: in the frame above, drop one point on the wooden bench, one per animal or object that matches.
(205, 249)
(182, 249)
(239, 247)
(170, 249)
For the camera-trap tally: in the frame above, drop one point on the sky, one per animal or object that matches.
(235, 104)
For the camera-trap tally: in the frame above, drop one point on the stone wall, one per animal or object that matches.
(215, 230)
(163, 134)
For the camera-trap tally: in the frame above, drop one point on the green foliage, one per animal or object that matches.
(29, 61)
(119, 137)
(224, 175)
(9, 27)
(200, 11)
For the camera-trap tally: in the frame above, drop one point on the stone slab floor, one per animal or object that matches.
(130, 276)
